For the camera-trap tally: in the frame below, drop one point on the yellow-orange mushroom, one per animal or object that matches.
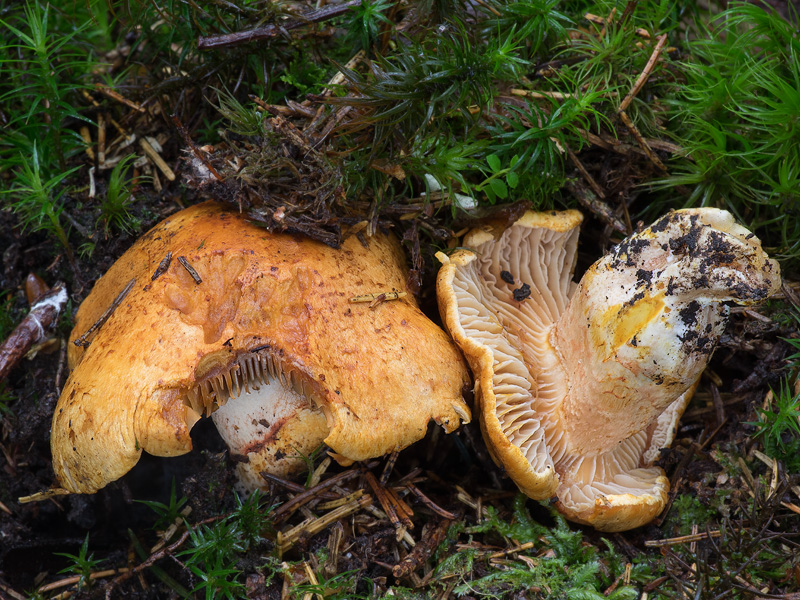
(256, 329)
(580, 385)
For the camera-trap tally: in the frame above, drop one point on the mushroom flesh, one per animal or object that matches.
(256, 329)
(581, 385)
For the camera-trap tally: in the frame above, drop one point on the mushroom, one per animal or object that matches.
(581, 385)
(256, 329)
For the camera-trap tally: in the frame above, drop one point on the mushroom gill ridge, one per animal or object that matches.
(498, 303)
(603, 378)
(226, 375)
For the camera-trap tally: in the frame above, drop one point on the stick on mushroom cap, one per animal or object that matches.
(264, 326)
(580, 385)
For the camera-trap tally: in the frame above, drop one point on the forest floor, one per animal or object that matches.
(440, 520)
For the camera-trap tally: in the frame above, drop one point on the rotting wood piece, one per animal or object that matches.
(33, 329)
(432, 536)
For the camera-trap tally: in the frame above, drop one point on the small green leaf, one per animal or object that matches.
(512, 179)
(499, 188)
(494, 162)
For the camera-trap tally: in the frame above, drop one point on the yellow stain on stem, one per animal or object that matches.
(618, 324)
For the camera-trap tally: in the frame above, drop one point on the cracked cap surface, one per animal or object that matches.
(380, 375)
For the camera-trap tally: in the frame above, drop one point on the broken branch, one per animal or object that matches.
(264, 33)
(33, 329)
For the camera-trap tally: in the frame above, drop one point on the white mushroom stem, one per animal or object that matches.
(263, 410)
(644, 322)
(270, 428)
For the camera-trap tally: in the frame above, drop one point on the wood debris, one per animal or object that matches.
(377, 298)
(190, 269)
(33, 329)
(82, 341)
(311, 527)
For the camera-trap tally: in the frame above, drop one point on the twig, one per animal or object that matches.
(339, 78)
(586, 175)
(155, 557)
(645, 74)
(609, 20)
(654, 584)
(77, 578)
(422, 551)
(199, 154)
(309, 528)
(87, 140)
(317, 474)
(610, 144)
(793, 297)
(190, 269)
(162, 266)
(719, 406)
(540, 95)
(287, 508)
(172, 529)
(427, 502)
(101, 139)
(389, 467)
(45, 495)
(270, 31)
(155, 570)
(642, 142)
(773, 464)
(340, 501)
(683, 539)
(296, 488)
(289, 485)
(507, 551)
(34, 328)
(12, 593)
(630, 7)
(81, 341)
(600, 209)
(156, 158)
(403, 510)
(384, 500)
(114, 95)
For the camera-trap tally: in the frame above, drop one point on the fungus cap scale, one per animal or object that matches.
(378, 374)
(581, 385)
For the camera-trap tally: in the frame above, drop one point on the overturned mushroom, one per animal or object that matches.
(580, 385)
(257, 329)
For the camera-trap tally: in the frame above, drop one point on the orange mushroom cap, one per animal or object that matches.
(269, 310)
(581, 385)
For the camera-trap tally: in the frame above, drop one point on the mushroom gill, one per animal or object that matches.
(256, 329)
(581, 385)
